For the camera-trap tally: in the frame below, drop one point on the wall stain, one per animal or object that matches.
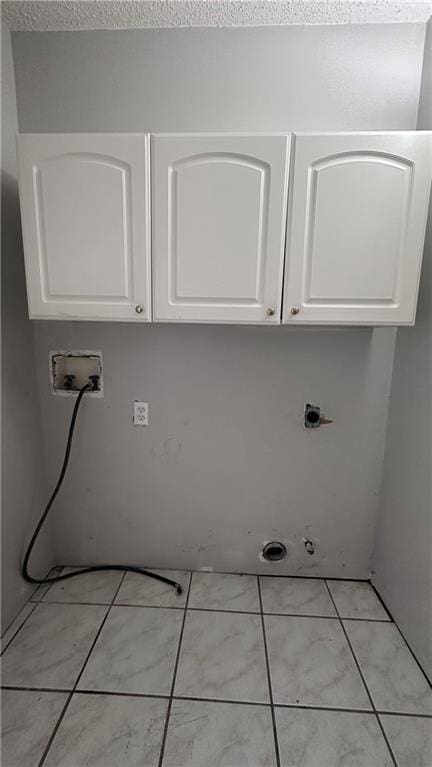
(170, 449)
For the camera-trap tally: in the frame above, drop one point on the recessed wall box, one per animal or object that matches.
(71, 370)
(312, 415)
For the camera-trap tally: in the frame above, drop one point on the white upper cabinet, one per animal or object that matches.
(357, 207)
(86, 225)
(356, 222)
(218, 217)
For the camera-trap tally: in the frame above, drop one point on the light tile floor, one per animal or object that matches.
(240, 671)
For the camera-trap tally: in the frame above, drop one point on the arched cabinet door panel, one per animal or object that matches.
(219, 216)
(86, 225)
(356, 223)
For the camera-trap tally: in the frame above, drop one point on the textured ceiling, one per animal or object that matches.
(47, 15)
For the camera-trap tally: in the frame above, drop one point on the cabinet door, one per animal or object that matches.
(219, 210)
(358, 206)
(85, 214)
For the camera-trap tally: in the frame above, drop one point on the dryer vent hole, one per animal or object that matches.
(274, 551)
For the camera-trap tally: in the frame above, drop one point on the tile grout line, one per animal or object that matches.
(66, 705)
(369, 694)
(383, 712)
(55, 570)
(273, 715)
(110, 606)
(218, 610)
(114, 693)
(176, 664)
(423, 672)
(30, 601)
(3, 650)
(55, 730)
(428, 680)
(381, 600)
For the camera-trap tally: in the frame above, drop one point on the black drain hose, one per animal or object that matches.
(96, 568)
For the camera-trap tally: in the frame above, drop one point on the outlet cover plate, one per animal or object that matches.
(140, 413)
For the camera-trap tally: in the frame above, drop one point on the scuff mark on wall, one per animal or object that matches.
(170, 449)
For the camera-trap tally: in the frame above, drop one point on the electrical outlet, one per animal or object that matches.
(140, 413)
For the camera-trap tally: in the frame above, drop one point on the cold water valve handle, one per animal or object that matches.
(69, 381)
(94, 382)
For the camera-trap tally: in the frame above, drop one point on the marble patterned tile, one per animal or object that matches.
(309, 738)
(135, 651)
(40, 592)
(355, 599)
(222, 657)
(93, 588)
(222, 591)
(410, 738)
(311, 663)
(16, 624)
(296, 596)
(51, 647)
(138, 590)
(28, 719)
(109, 731)
(43, 588)
(219, 735)
(392, 675)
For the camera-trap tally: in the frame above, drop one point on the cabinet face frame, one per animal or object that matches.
(121, 160)
(407, 155)
(259, 163)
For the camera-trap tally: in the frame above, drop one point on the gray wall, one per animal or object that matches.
(22, 472)
(225, 463)
(274, 78)
(403, 559)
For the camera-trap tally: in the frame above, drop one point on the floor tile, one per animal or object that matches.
(410, 739)
(43, 588)
(392, 675)
(296, 596)
(93, 588)
(310, 738)
(51, 647)
(39, 592)
(355, 599)
(16, 624)
(222, 591)
(28, 719)
(135, 651)
(311, 663)
(222, 656)
(109, 731)
(139, 590)
(219, 735)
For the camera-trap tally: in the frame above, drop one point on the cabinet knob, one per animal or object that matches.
(295, 310)
(270, 311)
(139, 309)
